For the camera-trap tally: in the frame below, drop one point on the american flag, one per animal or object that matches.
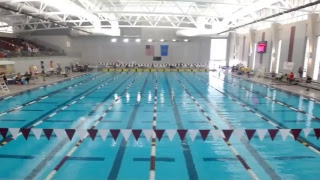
(149, 50)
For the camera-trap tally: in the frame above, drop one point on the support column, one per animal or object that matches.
(275, 45)
(252, 36)
(312, 35)
(231, 47)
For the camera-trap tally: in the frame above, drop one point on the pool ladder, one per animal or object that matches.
(4, 86)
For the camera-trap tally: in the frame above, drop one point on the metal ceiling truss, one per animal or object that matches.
(180, 14)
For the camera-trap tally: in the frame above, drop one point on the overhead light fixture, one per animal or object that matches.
(138, 40)
(174, 40)
(186, 40)
(125, 40)
(161, 40)
(149, 40)
(114, 40)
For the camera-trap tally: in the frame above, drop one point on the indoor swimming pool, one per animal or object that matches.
(122, 102)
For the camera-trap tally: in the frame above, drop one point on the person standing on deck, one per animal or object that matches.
(300, 71)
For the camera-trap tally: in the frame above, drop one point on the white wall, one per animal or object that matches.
(22, 64)
(284, 35)
(101, 49)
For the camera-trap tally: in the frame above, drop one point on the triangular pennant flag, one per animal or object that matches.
(159, 133)
(81, 133)
(25, 132)
(103, 133)
(14, 132)
(171, 133)
(92, 133)
(37, 133)
(115, 133)
(296, 133)
(193, 134)
(147, 133)
(306, 131)
(3, 132)
(204, 133)
(227, 133)
(216, 133)
(60, 133)
(47, 133)
(70, 133)
(261, 133)
(126, 133)
(182, 133)
(136, 133)
(250, 133)
(273, 133)
(317, 132)
(238, 133)
(284, 133)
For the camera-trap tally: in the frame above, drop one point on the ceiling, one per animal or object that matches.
(189, 17)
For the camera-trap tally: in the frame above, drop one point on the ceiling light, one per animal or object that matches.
(161, 40)
(149, 40)
(186, 40)
(125, 40)
(138, 40)
(113, 40)
(174, 40)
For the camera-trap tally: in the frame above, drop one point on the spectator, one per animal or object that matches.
(291, 78)
(300, 71)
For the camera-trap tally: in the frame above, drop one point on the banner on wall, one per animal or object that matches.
(149, 51)
(164, 50)
(288, 66)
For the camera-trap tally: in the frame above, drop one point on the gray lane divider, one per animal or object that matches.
(48, 95)
(283, 90)
(267, 168)
(54, 151)
(36, 88)
(116, 165)
(279, 125)
(152, 172)
(56, 110)
(233, 150)
(271, 99)
(74, 148)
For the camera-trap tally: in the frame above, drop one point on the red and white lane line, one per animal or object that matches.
(153, 138)
(74, 148)
(59, 110)
(233, 150)
(262, 117)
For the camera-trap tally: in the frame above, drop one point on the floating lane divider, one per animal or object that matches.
(253, 110)
(53, 112)
(154, 70)
(48, 95)
(35, 88)
(271, 99)
(233, 150)
(65, 158)
(154, 127)
(116, 165)
(91, 116)
(267, 168)
(283, 90)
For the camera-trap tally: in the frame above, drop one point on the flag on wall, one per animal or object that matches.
(164, 50)
(149, 50)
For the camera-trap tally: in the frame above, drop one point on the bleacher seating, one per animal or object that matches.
(17, 47)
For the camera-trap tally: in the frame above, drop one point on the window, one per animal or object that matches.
(218, 52)
(278, 56)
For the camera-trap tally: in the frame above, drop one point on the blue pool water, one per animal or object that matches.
(184, 101)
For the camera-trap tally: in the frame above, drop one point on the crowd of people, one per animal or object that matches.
(240, 70)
